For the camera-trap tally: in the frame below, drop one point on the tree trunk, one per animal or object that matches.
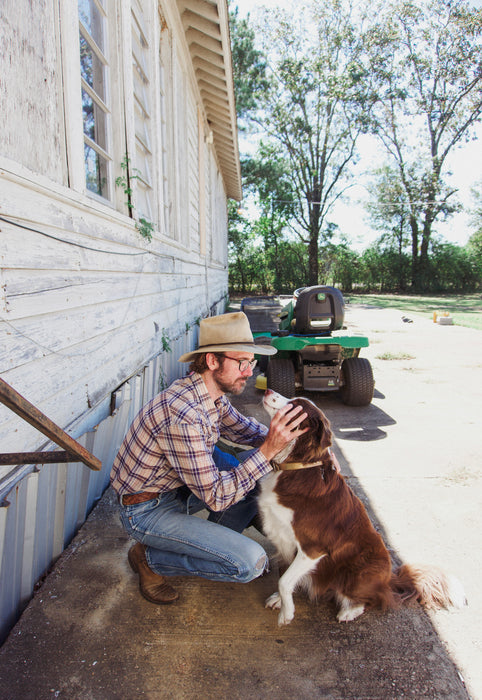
(241, 273)
(424, 261)
(313, 267)
(313, 246)
(415, 275)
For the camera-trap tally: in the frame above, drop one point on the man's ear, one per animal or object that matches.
(212, 361)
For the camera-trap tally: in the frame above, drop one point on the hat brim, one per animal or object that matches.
(237, 347)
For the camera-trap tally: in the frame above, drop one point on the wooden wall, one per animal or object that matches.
(85, 301)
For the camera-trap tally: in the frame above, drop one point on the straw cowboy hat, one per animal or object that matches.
(224, 333)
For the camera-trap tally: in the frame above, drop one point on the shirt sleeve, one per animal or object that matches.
(189, 454)
(241, 429)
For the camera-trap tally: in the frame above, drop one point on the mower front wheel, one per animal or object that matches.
(358, 382)
(280, 376)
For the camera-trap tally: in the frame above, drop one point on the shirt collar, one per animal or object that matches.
(204, 395)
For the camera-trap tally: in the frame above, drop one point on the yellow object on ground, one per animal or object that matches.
(261, 382)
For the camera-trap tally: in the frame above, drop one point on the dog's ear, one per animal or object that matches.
(318, 438)
(320, 429)
(326, 437)
(308, 409)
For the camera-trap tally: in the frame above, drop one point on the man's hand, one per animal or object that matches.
(281, 430)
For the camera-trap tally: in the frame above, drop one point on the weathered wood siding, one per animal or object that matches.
(92, 316)
(78, 322)
(31, 100)
(85, 300)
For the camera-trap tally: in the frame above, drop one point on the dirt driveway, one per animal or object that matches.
(414, 456)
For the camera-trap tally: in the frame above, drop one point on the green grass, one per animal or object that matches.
(465, 309)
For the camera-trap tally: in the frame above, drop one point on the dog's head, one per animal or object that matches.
(313, 445)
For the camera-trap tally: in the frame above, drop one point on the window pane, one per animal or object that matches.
(95, 172)
(92, 69)
(142, 109)
(93, 20)
(95, 121)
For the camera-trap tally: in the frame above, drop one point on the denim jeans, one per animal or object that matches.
(180, 544)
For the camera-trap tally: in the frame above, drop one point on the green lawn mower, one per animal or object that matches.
(314, 351)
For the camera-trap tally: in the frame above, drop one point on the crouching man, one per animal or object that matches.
(168, 467)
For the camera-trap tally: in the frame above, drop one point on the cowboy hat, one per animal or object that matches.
(227, 332)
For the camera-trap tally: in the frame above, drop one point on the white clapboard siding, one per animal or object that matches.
(30, 338)
(31, 88)
(93, 317)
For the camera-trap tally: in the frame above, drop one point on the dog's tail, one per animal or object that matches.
(429, 585)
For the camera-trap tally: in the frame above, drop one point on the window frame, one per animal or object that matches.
(103, 103)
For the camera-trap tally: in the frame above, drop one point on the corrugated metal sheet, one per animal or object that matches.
(42, 512)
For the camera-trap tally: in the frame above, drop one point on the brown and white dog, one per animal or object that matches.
(323, 533)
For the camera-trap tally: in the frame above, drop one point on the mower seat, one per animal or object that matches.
(319, 310)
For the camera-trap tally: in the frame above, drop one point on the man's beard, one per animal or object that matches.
(236, 387)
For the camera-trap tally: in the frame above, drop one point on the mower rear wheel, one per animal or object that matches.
(358, 382)
(280, 376)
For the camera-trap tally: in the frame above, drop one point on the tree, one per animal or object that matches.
(381, 268)
(240, 249)
(266, 176)
(315, 108)
(249, 65)
(427, 58)
(451, 268)
(389, 213)
(346, 267)
(474, 244)
(474, 251)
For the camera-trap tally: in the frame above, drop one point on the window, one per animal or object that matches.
(142, 111)
(94, 69)
(165, 125)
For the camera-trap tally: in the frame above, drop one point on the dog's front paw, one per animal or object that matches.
(287, 610)
(273, 602)
(287, 613)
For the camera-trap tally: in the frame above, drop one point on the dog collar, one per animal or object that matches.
(287, 466)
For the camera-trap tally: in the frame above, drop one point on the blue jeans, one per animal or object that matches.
(180, 544)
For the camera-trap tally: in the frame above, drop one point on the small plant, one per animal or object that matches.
(395, 356)
(124, 182)
(166, 344)
(143, 226)
(162, 380)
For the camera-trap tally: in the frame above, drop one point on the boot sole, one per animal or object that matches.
(157, 602)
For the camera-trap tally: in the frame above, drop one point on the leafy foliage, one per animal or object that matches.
(143, 226)
(426, 58)
(409, 72)
(249, 65)
(315, 108)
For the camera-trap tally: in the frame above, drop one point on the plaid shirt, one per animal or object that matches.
(171, 442)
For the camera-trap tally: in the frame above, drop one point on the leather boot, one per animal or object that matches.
(152, 586)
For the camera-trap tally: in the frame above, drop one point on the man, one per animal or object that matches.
(168, 467)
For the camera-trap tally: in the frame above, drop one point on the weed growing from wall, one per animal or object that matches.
(143, 226)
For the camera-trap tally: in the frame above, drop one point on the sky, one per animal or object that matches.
(351, 216)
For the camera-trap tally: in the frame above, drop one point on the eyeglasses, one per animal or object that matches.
(242, 364)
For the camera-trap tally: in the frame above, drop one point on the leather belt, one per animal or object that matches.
(130, 499)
